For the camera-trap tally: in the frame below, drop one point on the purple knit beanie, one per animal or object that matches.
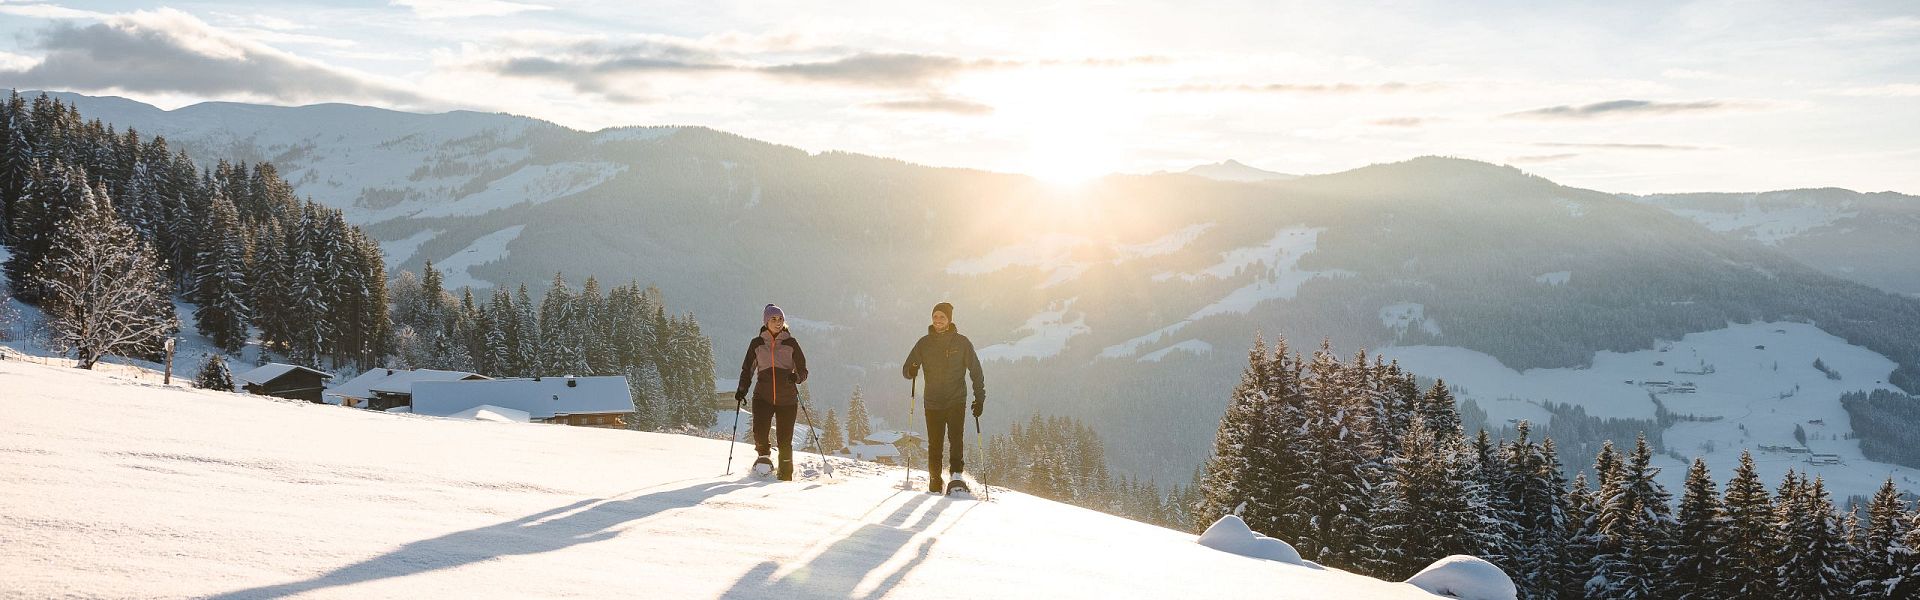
(770, 311)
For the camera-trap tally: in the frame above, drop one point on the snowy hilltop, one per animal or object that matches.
(112, 485)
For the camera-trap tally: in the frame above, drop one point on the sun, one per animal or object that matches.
(1065, 119)
(1067, 161)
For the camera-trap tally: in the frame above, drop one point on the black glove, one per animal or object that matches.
(740, 399)
(979, 406)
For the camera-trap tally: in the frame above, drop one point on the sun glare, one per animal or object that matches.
(1064, 117)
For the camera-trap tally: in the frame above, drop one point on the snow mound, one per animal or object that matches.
(1230, 534)
(489, 412)
(1467, 578)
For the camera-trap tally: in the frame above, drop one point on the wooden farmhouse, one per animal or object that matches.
(285, 381)
(386, 389)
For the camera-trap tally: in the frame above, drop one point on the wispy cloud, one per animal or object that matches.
(1620, 146)
(1305, 88)
(1407, 122)
(937, 104)
(457, 9)
(882, 70)
(168, 51)
(1627, 108)
(1542, 158)
(49, 11)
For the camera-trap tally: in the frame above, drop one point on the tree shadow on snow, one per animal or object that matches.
(532, 534)
(836, 571)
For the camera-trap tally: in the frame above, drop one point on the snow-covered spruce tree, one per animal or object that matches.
(1698, 536)
(1424, 509)
(1750, 544)
(51, 194)
(859, 426)
(1537, 493)
(833, 439)
(1814, 562)
(560, 334)
(1228, 485)
(596, 343)
(1492, 484)
(1906, 559)
(1883, 543)
(270, 284)
(214, 374)
(104, 292)
(1582, 537)
(526, 355)
(1637, 519)
(1326, 512)
(220, 286)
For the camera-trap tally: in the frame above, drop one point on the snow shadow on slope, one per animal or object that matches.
(584, 522)
(836, 571)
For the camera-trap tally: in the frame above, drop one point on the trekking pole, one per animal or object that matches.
(814, 432)
(906, 478)
(980, 443)
(734, 441)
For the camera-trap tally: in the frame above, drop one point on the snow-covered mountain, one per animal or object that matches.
(1233, 170)
(1128, 304)
(1868, 238)
(120, 487)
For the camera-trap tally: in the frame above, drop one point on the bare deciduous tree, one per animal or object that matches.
(105, 289)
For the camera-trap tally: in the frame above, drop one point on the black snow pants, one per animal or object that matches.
(764, 416)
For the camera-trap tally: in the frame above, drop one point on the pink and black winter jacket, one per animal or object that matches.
(762, 363)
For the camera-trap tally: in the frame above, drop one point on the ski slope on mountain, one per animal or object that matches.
(1745, 387)
(115, 487)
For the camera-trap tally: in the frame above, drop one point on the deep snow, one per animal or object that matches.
(114, 487)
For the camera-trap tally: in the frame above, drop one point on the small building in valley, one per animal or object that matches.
(285, 381)
(385, 389)
(583, 401)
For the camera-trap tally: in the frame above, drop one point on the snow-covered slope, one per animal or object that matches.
(1745, 387)
(111, 487)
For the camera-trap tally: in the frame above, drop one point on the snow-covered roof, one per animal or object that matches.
(542, 398)
(873, 451)
(489, 412)
(271, 371)
(891, 437)
(395, 381)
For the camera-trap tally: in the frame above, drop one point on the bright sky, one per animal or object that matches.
(1626, 96)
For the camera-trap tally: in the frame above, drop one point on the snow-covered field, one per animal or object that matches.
(111, 487)
(1757, 382)
(1046, 335)
(1281, 279)
(488, 248)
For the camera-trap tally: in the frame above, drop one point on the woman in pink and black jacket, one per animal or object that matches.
(774, 367)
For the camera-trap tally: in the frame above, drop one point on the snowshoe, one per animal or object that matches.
(957, 487)
(763, 467)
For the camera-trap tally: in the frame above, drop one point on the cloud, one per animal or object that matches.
(1626, 108)
(1607, 146)
(938, 104)
(882, 70)
(1306, 88)
(1544, 158)
(455, 9)
(49, 11)
(1892, 90)
(168, 51)
(1400, 122)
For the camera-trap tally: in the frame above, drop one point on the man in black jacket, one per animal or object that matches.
(949, 358)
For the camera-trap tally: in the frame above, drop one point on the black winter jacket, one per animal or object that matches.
(948, 358)
(761, 368)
